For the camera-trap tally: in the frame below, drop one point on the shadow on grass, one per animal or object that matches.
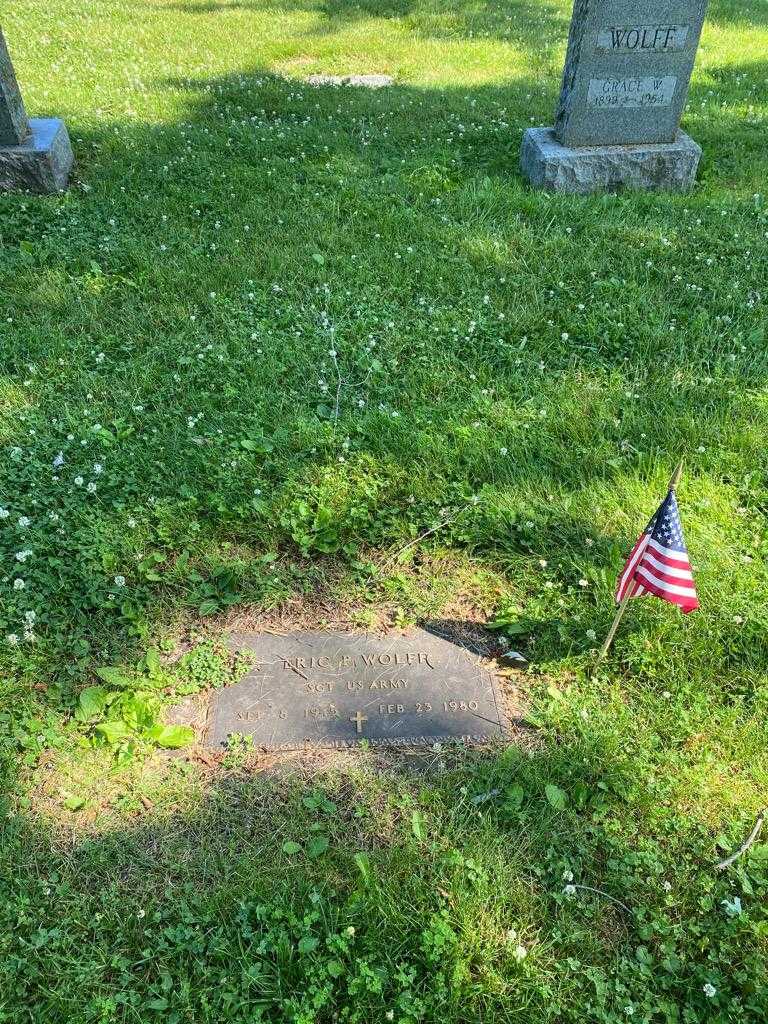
(433, 171)
(293, 208)
(531, 25)
(345, 889)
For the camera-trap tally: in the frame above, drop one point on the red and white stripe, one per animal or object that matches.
(627, 577)
(661, 571)
(666, 573)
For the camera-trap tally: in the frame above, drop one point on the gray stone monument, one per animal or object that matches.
(625, 83)
(35, 153)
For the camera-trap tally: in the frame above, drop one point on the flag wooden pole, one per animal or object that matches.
(675, 481)
(614, 626)
(673, 484)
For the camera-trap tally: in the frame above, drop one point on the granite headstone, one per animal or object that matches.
(14, 126)
(35, 153)
(624, 88)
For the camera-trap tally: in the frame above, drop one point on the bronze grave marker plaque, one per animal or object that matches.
(334, 690)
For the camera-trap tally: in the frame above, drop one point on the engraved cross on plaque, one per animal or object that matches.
(358, 719)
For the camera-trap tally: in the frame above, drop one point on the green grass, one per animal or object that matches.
(526, 369)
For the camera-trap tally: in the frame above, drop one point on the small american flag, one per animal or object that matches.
(659, 564)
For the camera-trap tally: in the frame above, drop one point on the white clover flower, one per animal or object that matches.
(502, 451)
(131, 522)
(24, 522)
(30, 617)
(520, 953)
(542, 561)
(350, 931)
(22, 556)
(98, 468)
(18, 584)
(59, 460)
(591, 634)
(79, 481)
(709, 990)
(12, 639)
(569, 890)
(567, 876)
(4, 513)
(91, 488)
(119, 581)
(666, 885)
(583, 583)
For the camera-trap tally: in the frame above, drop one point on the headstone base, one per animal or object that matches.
(40, 164)
(666, 166)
